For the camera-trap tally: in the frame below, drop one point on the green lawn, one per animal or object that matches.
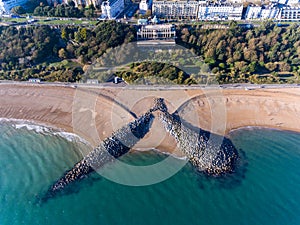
(65, 63)
(14, 20)
(51, 22)
(70, 22)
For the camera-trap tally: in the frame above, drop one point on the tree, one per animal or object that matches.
(233, 25)
(284, 67)
(237, 55)
(62, 53)
(88, 13)
(271, 66)
(148, 13)
(71, 3)
(70, 50)
(38, 11)
(63, 33)
(83, 33)
(18, 10)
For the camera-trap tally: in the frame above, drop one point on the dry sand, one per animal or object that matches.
(95, 113)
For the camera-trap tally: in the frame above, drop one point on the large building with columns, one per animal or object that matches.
(157, 32)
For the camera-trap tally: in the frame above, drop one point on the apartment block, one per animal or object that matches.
(220, 11)
(175, 9)
(112, 8)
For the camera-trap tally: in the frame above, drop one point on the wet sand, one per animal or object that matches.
(94, 113)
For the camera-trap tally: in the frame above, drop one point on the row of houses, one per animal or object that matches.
(197, 10)
(203, 10)
(282, 10)
(274, 12)
(161, 8)
(286, 10)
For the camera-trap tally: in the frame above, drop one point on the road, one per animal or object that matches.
(155, 87)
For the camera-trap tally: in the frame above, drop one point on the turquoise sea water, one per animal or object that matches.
(264, 190)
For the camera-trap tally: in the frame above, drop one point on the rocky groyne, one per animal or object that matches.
(212, 157)
(204, 154)
(119, 143)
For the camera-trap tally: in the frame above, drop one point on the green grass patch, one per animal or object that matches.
(14, 20)
(67, 22)
(65, 64)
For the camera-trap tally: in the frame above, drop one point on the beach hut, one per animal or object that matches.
(34, 80)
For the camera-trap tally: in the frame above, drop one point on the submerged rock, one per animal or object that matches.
(205, 154)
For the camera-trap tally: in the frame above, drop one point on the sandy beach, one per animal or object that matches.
(94, 113)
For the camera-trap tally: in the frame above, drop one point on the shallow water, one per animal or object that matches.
(264, 189)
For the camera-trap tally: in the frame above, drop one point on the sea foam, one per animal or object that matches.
(43, 129)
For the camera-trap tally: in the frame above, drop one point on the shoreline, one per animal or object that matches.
(54, 106)
(72, 137)
(261, 128)
(69, 136)
(44, 129)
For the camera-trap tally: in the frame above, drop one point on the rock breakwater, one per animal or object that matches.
(119, 143)
(205, 154)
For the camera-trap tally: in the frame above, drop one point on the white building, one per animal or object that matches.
(289, 14)
(262, 13)
(236, 13)
(220, 11)
(284, 2)
(289, 2)
(80, 2)
(175, 9)
(253, 12)
(156, 32)
(293, 2)
(9, 4)
(2, 9)
(112, 8)
(145, 5)
(269, 13)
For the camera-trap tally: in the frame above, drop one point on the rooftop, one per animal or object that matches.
(158, 26)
